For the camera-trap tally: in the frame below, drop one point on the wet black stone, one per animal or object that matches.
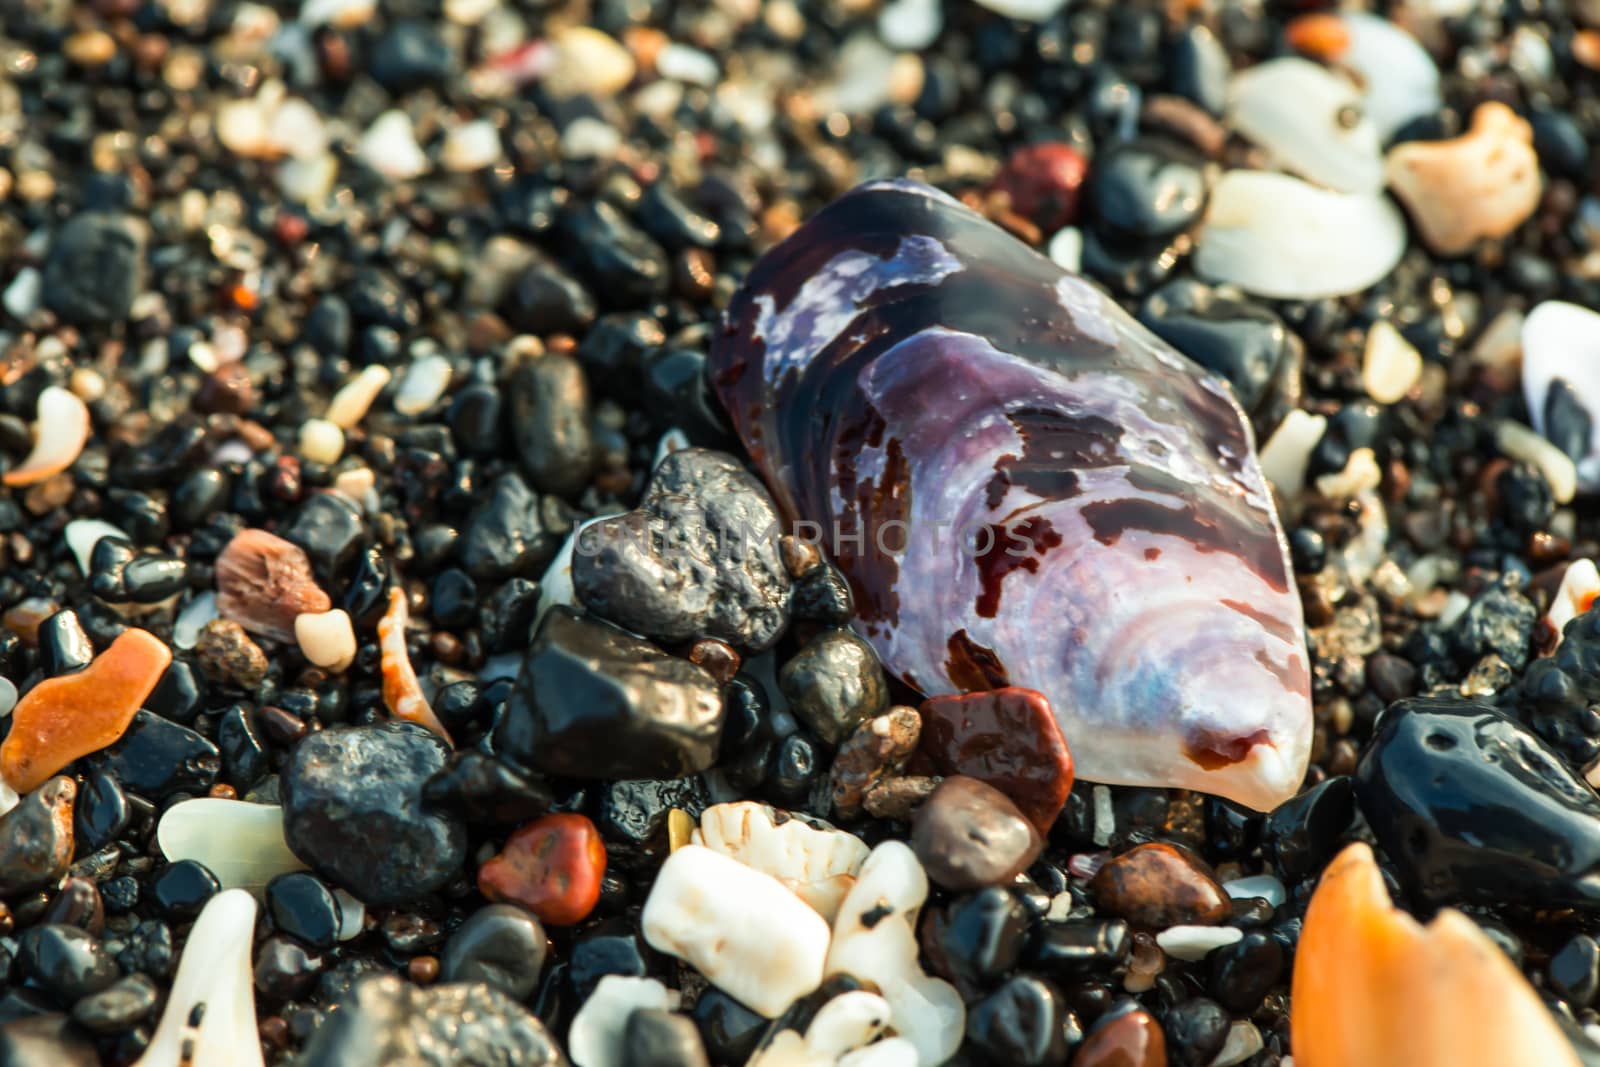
(749, 732)
(1472, 806)
(95, 268)
(977, 938)
(1526, 500)
(546, 299)
(505, 537)
(149, 948)
(698, 557)
(614, 351)
(327, 328)
(120, 894)
(45, 1040)
(822, 595)
(833, 683)
(410, 55)
(1574, 971)
(108, 562)
(63, 646)
(78, 904)
(675, 394)
(36, 839)
(1304, 832)
(663, 214)
(1199, 69)
(304, 908)
(1559, 140)
(594, 702)
(626, 267)
(1146, 188)
(474, 419)
(180, 693)
(353, 811)
(1072, 950)
(157, 758)
(1242, 341)
(245, 759)
(379, 299)
(366, 596)
(453, 599)
(118, 1007)
(550, 417)
(611, 946)
(730, 1030)
(65, 961)
(1243, 973)
(142, 515)
(486, 790)
(285, 969)
(795, 766)
(384, 1020)
(1308, 550)
(380, 345)
(632, 815)
(1020, 1023)
(500, 945)
(1500, 621)
(655, 1037)
(1195, 1030)
(330, 530)
(200, 494)
(505, 620)
(149, 579)
(1567, 423)
(182, 889)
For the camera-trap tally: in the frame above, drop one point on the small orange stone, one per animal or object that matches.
(61, 719)
(1320, 36)
(552, 867)
(401, 691)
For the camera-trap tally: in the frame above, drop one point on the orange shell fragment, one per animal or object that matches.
(1374, 987)
(401, 690)
(1320, 36)
(63, 718)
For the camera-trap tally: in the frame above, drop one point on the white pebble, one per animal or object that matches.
(214, 976)
(308, 181)
(25, 293)
(471, 146)
(8, 696)
(1277, 236)
(1579, 587)
(239, 842)
(1264, 886)
(1243, 1041)
(587, 62)
(1500, 345)
(1360, 474)
(1400, 79)
(1519, 442)
(1066, 249)
(1309, 120)
(1024, 10)
(691, 66)
(83, 534)
(423, 384)
(1562, 341)
(741, 929)
(910, 25)
(846, 1022)
(352, 915)
(875, 941)
(192, 619)
(1287, 453)
(672, 440)
(1195, 942)
(321, 441)
(1390, 365)
(596, 1036)
(891, 1052)
(326, 638)
(817, 865)
(469, 12)
(390, 147)
(349, 405)
(1105, 816)
(587, 137)
(343, 13)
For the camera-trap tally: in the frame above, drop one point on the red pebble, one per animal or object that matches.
(1043, 182)
(1133, 1039)
(1007, 738)
(552, 867)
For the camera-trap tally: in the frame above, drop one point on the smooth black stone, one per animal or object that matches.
(108, 562)
(285, 969)
(500, 945)
(199, 495)
(546, 299)
(149, 948)
(1239, 339)
(1243, 973)
(180, 693)
(749, 732)
(1196, 1031)
(655, 1037)
(675, 393)
(47, 1040)
(453, 599)
(505, 537)
(486, 790)
(975, 939)
(459, 704)
(729, 1030)
(611, 946)
(615, 350)
(1146, 188)
(157, 758)
(822, 595)
(1072, 950)
(592, 701)
(142, 515)
(1574, 971)
(1020, 1023)
(245, 759)
(834, 683)
(505, 620)
(1308, 550)
(182, 889)
(305, 909)
(36, 840)
(1359, 424)
(78, 904)
(353, 811)
(1526, 501)
(663, 215)
(795, 766)
(63, 645)
(379, 299)
(1567, 423)
(410, 55)
(95, 268)
(1304, 832)
(550, 417)
(1472, 806)
(474, 419)
(366, 596)
(330, 530)
(1199, 69)
(118, 1007)
(633, 815)
(149, 579)
(625, 266)
(384, 1020)
(1559, 140)
(65, 961)
(328, 328)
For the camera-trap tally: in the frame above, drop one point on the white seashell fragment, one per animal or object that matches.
(390, 147)
(1264, 886)
(239, 842)
(910, 25)
(213, 977)
(875, 940)
(1287, 453)
(846, 1022)
(1562, 340)
(1024, 10)
(1066, 249)
(326, 638)
(8, 696)
(352, 915)
(1243, 1041)
(1390, 365)
(1579, 587)
(1519, 442)
(741, 929)
(321, 441)
(471, 146)
(1278, 236)
(893, 1052)
(349, 405)
(555, 585)
(1196, 942)
(596, 1036)
(25, 293)
(1361, 474)
(817, 865)
(193, 618)
(83, 534)
(423, 384)
(1309, 120)
(1401, 80)
(59, 434)
(672, 440)
(9, 798)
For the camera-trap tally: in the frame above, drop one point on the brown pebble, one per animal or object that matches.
(799, 554)
(898, 798)
(283, 727)
(227, 654)
(263, 582)
(1185, 120)
(1160, 885)
(227, 389)
(716, 658)
(423, 970)
(1132, 1039)
(223, 791)
(878, 748)
(23, 618)
(969, 835)
(36, 838)
(91, 48)
(44, 497)
(274, 1031)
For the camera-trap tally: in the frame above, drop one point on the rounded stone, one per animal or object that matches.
(968, 835)
(501, 945)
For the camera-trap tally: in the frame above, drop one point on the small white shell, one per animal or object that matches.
(819, 866)
(390, 147)
(596, 1036)
(1579, 587)
(1278, 236)
(1561, 340)
(1196, 942)
(60, 432)
(1287, 453)
(215, 972)
(83, 534)
(424, 383)
(239, 842)
(1310, 121)
(1402, 82)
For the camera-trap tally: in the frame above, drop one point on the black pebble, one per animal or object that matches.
(330, 530)
(1303, 833)
(1242, 973)
(302, 907)
(410, 55)
(730, 1030)
(1196, 1030)
(148, 579)
(65, 961)
(117, 1007)
(611, 946)
(96, 266)
(1074, 950)
(500, 944)
(822, 595)
(156, 758)
(101, 812)
(63, 645)
(654, 1037)
(1020, 1023)
(245, 759)
(976, 939)
(285, 969)
(182, 889)
(1574, 971)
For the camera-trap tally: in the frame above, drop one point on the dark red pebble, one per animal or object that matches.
(1043, 182)
(1008, 738)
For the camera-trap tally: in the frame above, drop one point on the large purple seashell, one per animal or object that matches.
(1025, 487)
